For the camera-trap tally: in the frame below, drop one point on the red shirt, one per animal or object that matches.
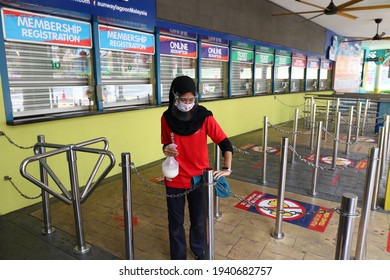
(193, 155)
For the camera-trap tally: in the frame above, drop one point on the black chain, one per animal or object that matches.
(160, 192)
(242, 200)
(22, 194)
(2, 133)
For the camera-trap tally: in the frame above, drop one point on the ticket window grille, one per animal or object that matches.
(172, 67)
(214, 81)
(241, 79)
(297, 79)
(126, 78)
(48, 79)
(263, 79)
(325, 78)
(312, 79)
(282, 75)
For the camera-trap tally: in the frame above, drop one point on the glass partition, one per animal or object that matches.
(263, 73)
(313, 66)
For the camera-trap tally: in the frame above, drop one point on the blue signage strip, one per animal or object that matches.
(179, 33)
(214, 52)
(215, 40)
(137, 11)
(178, 47)
(36, 28)
(117, 39)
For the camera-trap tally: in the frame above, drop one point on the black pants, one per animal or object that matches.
(177, 236)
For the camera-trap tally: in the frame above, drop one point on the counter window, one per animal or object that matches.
(126, 78)
(48, 79)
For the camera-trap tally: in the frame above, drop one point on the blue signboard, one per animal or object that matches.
(117, 39)
(216, 40)
(31, 27)
(132, 10)
(214, 52)
(178, 47)
(178, 33)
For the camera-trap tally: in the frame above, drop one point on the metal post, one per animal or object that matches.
(217, 166)
(46, 225)
(295, 129)
(358, 113)
(265, 144)
(336, 112)
(277, 233)
(365, 212)
(336, 139)
(349, 134)
(313, 127)
(326, 118)
(386, 143)
(127, 205)
(81, 247)
(208, 209)
(374, 205)
(316, 160)
(311, 111)
(366, 106)
(345, 229)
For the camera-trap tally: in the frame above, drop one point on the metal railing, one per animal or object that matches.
(72, 197)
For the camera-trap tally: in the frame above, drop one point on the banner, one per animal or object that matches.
(117, 39)
(41, 29)
(214, 52)
(131, 10)
(177, 47)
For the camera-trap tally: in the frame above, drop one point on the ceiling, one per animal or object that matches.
(363, 26)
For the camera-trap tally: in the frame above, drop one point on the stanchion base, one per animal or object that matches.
(218, 215)
(83, 250)
(48, 231)
(262, 181)
(375, 208)
(277, 235)
(313, 194)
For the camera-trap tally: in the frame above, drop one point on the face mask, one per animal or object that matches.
(184, 107)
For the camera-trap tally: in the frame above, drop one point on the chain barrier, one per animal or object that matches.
(232, 194)
(346, 121)
(284, 131)
(2, 133)
(289, 105)
(301, 158)
(338, 140)
(20, 192)
(150, 187)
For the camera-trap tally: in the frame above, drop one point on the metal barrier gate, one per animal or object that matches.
(74, 197)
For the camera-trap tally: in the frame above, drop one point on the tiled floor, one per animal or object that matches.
(239, 234)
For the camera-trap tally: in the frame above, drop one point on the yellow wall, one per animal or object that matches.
(137, 132)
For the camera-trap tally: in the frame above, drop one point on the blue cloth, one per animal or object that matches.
(222, 187)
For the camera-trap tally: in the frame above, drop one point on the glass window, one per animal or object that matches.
(214, 79)
(263, 73)
(126, 78)
(48, 79)
(311, 79)
(241, 78)
(171, 67)
(263, 79)
(325, 75)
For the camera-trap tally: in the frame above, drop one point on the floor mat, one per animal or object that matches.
(299, 213)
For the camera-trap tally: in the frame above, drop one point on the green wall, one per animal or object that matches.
(136, 131)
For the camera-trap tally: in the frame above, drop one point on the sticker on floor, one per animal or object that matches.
(299, 213)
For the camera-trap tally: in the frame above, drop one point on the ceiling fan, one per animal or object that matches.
(376, 37)
(332, 9)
